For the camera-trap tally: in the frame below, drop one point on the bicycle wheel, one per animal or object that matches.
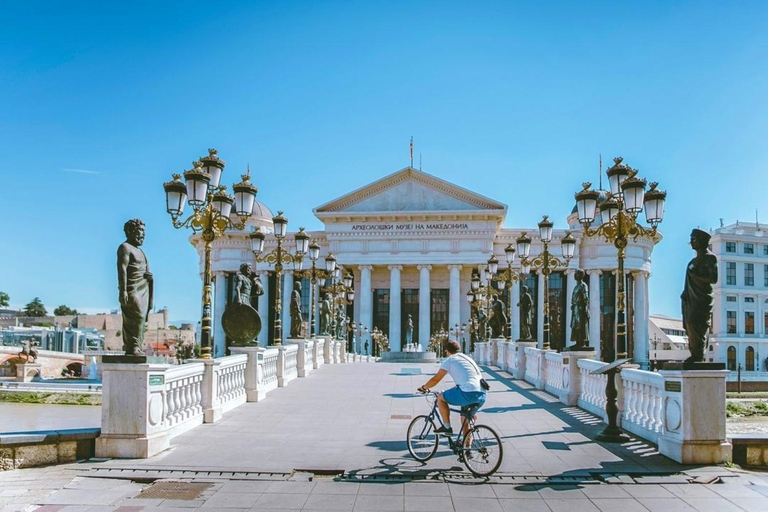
(482, 451)
(422, 440)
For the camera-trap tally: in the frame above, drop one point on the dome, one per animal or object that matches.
(260, 210)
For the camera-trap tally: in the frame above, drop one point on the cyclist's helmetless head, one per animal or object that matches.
(452, 347)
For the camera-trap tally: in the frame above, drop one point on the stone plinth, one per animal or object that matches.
(572, 376)
(305, 364)
(408, 357)
(518, 371)
(253, 391)
(482, 350)
(694, 417)
(26, 372)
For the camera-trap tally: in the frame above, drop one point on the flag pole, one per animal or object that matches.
(411, 150)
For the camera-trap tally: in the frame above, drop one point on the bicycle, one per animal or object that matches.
(480, 450)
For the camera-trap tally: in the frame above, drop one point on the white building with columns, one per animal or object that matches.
(412, 241)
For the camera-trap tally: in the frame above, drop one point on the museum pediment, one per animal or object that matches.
(410, 190)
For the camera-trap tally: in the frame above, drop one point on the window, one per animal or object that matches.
(765, 250)
(732, 358)
(730, 321)
(749, 322)
(730, 246)
(730, 272)
(765, 323)
(749, 299)
(765, 274)
(749, 274)
(749, 359)
(730, 298)
(749, 248)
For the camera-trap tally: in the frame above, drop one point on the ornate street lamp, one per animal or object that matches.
(313, 274)
(479, 297)
(278, 257)
(545, 262)
(211, 214)
(505, 280)
(618, 214)
(341, 291)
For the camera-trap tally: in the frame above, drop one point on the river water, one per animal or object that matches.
(23, 417)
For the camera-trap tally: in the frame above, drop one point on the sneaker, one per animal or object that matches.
(442, 430)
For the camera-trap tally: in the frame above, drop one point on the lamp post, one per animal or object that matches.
(342, 294)
(545, 262)
(211, 211)
(618, 214)
(278, 257)
(505, 280)
(313, 274)
(478, 297)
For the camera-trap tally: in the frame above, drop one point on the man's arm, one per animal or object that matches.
(433, 381)
(123, 259)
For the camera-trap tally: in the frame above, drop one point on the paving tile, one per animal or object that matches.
(646, 491)
(426, 489)
(604, 491)
(692, 490)
(379, 502)
(524, 505)
(281, 501)
(516, 492)
(751, 504)
(471, 491)
(428, 503)
(231, 500)
(477, 504)
(735, 491)
(290, 487)
(628, 504)
(187, 504)
(561, 492)
(339, 502)
(332, 487)
(713, 505)
(665, 505)
(381, 489)
(571, 505)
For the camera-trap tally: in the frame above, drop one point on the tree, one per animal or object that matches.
(4, 300)
(64, 311)
(35, 308)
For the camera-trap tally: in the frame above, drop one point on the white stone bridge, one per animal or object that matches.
(53, 362)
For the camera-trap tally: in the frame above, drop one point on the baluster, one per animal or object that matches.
(644, 416)
(184, 398)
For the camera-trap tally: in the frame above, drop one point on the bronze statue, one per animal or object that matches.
(240, 321)
(498, 320)
(580, 312)
(482, 325)
(409, 330)
(526, 313)
(697, 297)
(28, 351)
(296, 319)
(247, 284)
(340, 325)
(325, 315)
(135, 285)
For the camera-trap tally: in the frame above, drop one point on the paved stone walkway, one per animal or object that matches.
(282, 454)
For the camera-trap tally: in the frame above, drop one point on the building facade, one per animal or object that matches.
(740, 315)
(412, 242)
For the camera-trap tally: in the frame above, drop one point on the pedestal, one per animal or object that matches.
(520, 345)
(26, 372)
(570, 395)
(694, 417)
(253, 392)
(305, 364)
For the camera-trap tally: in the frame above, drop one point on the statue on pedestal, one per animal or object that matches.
(135, 285)
(482, 325)
(240, 320)
(325, 315)
(580, 312)
(296, 319)
(247, 284)
(697, 297)
(498, 320)
(526, 313)
(409, 330)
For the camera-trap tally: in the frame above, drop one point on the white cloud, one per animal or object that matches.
(81, 171)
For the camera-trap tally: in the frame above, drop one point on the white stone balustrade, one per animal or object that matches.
(317, 353)
(643, 396)
(592, 395)
(336, 351)
(555, 366)
(481, 352)
(304, 363)
(287, 364)
(501, 357)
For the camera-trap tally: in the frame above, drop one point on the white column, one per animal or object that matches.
(640, 355)
(594, 311)
(514, 299)
(395, 339)
(264, 308)
(366, 296)
(424, 305)
(570, 284)
(286, 304)
(219, 304)
(454, 295)
(318, 299)
(540, 310)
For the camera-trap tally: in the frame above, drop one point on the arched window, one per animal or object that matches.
(732, 358)
(749, 359)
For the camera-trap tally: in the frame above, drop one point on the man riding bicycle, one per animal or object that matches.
(466, 374)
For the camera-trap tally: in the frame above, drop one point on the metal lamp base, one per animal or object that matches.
(611, 434)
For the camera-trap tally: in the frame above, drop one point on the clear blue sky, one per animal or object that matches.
(101, 101)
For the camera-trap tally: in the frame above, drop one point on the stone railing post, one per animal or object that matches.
(253, 371)
(301, 363)
(572, 375)
(519, 355)
(503, 346)
(211, 410)
(281, 366)
(694, 417)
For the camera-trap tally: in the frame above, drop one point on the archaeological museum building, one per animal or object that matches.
(412, 243)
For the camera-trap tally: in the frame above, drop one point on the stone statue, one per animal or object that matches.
(135, 286)
(296, 320)
(340, 324)
(498, 320)
(366, 347)
(240, 320)
(29, 351)
(247, 284)
(409, 330)
(526, 313)
(325, 315)
(697, 297)
(580, 312)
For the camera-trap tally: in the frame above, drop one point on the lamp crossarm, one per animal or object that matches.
(627, 228)
(282, 256)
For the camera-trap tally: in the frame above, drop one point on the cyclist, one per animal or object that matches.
(466, 374)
